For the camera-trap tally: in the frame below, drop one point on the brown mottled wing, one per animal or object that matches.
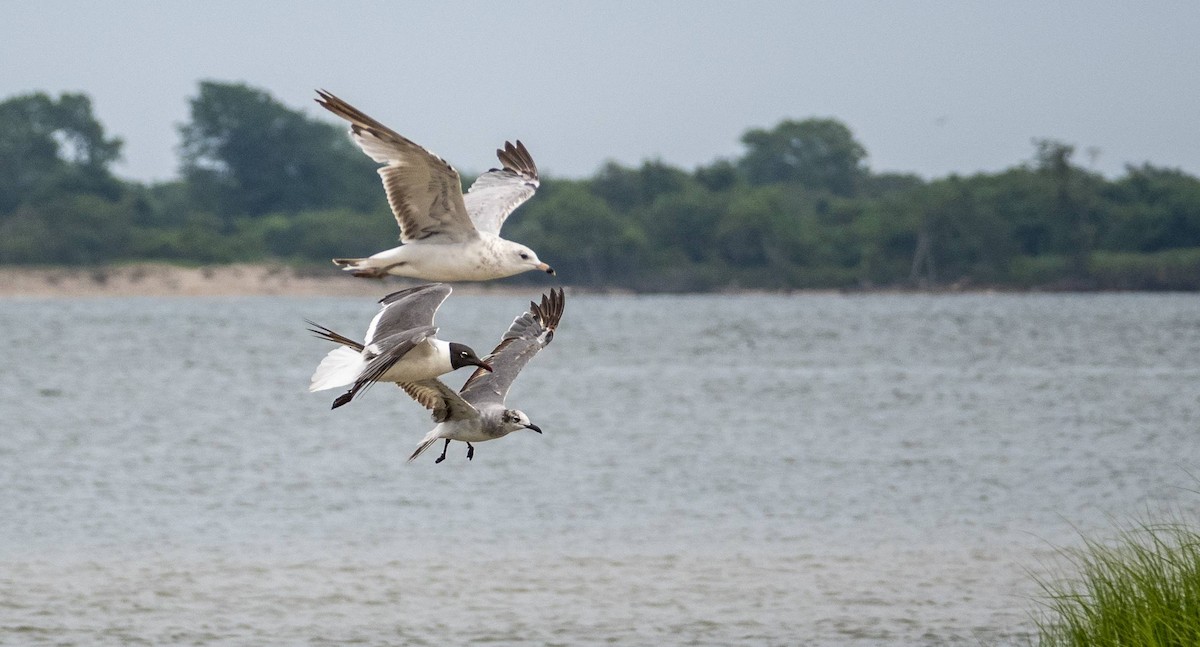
(425, 192)
(497, 193)
(439, 398)
(528, 334)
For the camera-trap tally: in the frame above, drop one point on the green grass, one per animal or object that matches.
(1172, 269)
(1143, 588)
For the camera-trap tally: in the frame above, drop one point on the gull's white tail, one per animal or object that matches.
(339, 368)
(362, 267)
(429, 439)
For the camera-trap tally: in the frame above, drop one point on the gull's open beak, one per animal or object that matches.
(534, 427)
(484, 365)
(546, 268)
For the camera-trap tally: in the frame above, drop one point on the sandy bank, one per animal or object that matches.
(152, 279)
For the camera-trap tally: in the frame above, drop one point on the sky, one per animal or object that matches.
(927, 87)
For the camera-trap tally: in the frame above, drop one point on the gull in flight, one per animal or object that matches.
(477, 412)
(446, 235)
(400, 346)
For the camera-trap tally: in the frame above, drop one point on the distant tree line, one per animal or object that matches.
(799, 209)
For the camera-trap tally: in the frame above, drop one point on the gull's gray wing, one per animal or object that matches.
(382, 355)
(424, 191)
(528, 334)
(439, 398)
(406, 309)
(499, 192)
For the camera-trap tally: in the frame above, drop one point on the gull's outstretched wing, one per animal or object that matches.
(439, 398)
(406, 309)
(528, 334)
(425, 192)
(499, 192)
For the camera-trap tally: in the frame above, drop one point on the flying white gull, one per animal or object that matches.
(477, 412)
(400, 346)
(446, 236)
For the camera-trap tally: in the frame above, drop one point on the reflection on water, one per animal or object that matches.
(846, 470)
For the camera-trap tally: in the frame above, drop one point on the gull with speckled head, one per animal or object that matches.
(400, 346)
(478, 412)
(446, 235)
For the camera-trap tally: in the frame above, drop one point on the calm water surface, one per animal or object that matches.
(818, 469)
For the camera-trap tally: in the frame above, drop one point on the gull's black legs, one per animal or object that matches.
(444, 448)
(470, 451)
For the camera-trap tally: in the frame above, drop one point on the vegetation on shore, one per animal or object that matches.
(260, 181)
(1141, 590)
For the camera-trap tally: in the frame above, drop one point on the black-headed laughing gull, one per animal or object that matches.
(446, 236)
(400, 346)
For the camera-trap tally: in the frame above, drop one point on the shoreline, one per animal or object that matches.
(164, 280)
(152, 279)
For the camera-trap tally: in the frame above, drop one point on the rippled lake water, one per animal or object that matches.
(820, 469)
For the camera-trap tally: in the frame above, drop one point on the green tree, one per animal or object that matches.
(761, 228)
(244, 153)
(320, 235)
(721, 175)
(816, 153)
(49, 147)
(625, 188)
(1054, 161)
(68, 229)
(884, 184)
(686, 221)
(1152, 209)
(580, 235)
(964, 236)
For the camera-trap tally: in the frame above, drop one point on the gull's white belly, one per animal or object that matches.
(467, 431)
(473, 260)
(420, 363)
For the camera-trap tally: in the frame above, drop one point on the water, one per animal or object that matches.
(819, 469)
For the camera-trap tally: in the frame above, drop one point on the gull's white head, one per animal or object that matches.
(522, 259)
(516, 420)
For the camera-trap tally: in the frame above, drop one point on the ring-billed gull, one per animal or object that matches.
(446, 236)
(477, 412)
(400, 346)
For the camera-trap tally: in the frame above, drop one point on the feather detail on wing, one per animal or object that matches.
(528, 334)
(424, 191)
(497, 193)
(340, 366)
(403, 310)
(426, 443)
(391, 350)
(440, 399)
(328, 335)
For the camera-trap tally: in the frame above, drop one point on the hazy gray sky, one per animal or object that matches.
(931, 87)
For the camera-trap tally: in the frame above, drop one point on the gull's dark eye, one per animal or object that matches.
(524, 256)
(464, 354)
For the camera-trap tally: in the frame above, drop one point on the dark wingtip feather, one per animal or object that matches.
(550, 312)
(517, 159)
(321, 332)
